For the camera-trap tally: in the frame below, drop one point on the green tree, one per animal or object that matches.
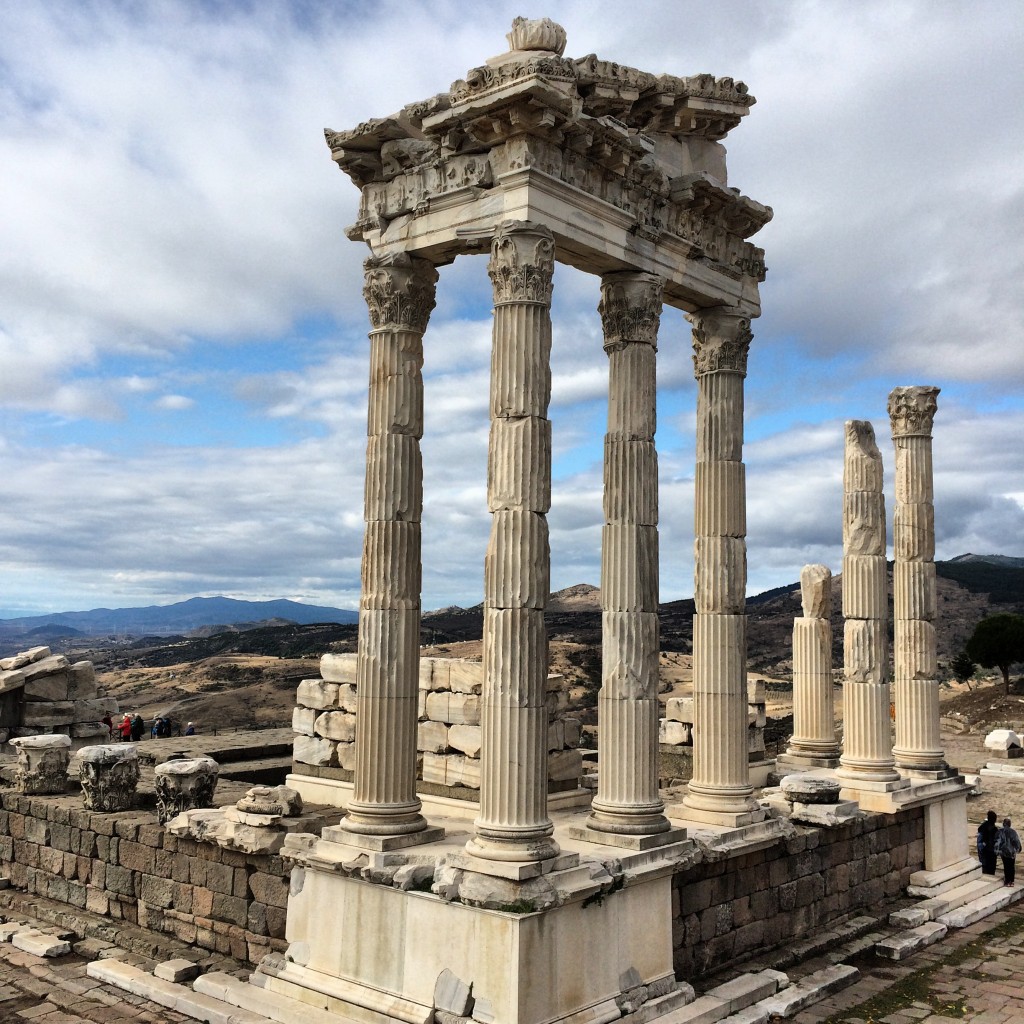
(998, 642)
(962, 667)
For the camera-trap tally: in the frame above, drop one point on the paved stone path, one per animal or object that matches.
(975, 975)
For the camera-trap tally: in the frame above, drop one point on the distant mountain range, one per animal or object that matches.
(166, 620)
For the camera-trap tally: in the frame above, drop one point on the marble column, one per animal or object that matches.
(720, 789)
(814, 743)
(399, 293)
(627, 800)
(867, 744)
(918, 742)
(513, 824)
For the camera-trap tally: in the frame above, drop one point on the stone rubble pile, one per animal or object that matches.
(53, 696)
(449, 735)
(675, 730)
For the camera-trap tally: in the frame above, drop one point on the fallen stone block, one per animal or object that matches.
(39, 943)
(911, 917)
(176, 970)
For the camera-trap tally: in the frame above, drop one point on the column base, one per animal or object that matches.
(629, 821)
(383, 843)
(794, 761)
(529, 850)
(383, 819)
(931, 774)
(650, 841)
(730, 807)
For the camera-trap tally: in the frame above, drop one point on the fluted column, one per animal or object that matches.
(399, 293)
(814, 743)
(918, 742)
(867, 744)
(513, 824)
(721, 775)
(627, 800)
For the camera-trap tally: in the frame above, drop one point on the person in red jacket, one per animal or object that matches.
(125, 728)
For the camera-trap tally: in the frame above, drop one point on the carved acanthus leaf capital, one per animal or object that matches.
(522, 262)
(912, 410)
(630, 308)
(721, 340)
(399, 291)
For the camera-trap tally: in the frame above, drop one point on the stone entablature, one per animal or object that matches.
(532, 133)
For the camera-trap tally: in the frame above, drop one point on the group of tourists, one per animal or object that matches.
(995, 842)
(132, 728)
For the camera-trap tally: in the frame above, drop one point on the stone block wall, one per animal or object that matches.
(448, 735)
(51, 695)
(729, 909)
(127, 867)
(675, 732)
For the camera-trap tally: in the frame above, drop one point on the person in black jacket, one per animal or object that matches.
(1008, 846)
(987, 832)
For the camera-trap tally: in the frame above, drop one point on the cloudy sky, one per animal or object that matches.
(183, 350)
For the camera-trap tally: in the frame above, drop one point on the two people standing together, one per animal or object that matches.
(994, 842)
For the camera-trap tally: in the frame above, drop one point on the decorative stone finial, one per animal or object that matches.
(536, 34)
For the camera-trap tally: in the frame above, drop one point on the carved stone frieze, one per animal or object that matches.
(630, 308)
(485, 79)
(646, 144)
(522, 263)
(399, 292)
(721, 341)
(912, 410)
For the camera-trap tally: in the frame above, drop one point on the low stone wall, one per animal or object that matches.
(126, 866)
(727, 910)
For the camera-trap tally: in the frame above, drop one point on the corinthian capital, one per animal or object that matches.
(630, 308)
(721, 339)
(522, 262)
(399, 291)
(912, 410)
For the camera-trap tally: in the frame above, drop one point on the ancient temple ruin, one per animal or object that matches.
(534, 158)
(460, 884)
